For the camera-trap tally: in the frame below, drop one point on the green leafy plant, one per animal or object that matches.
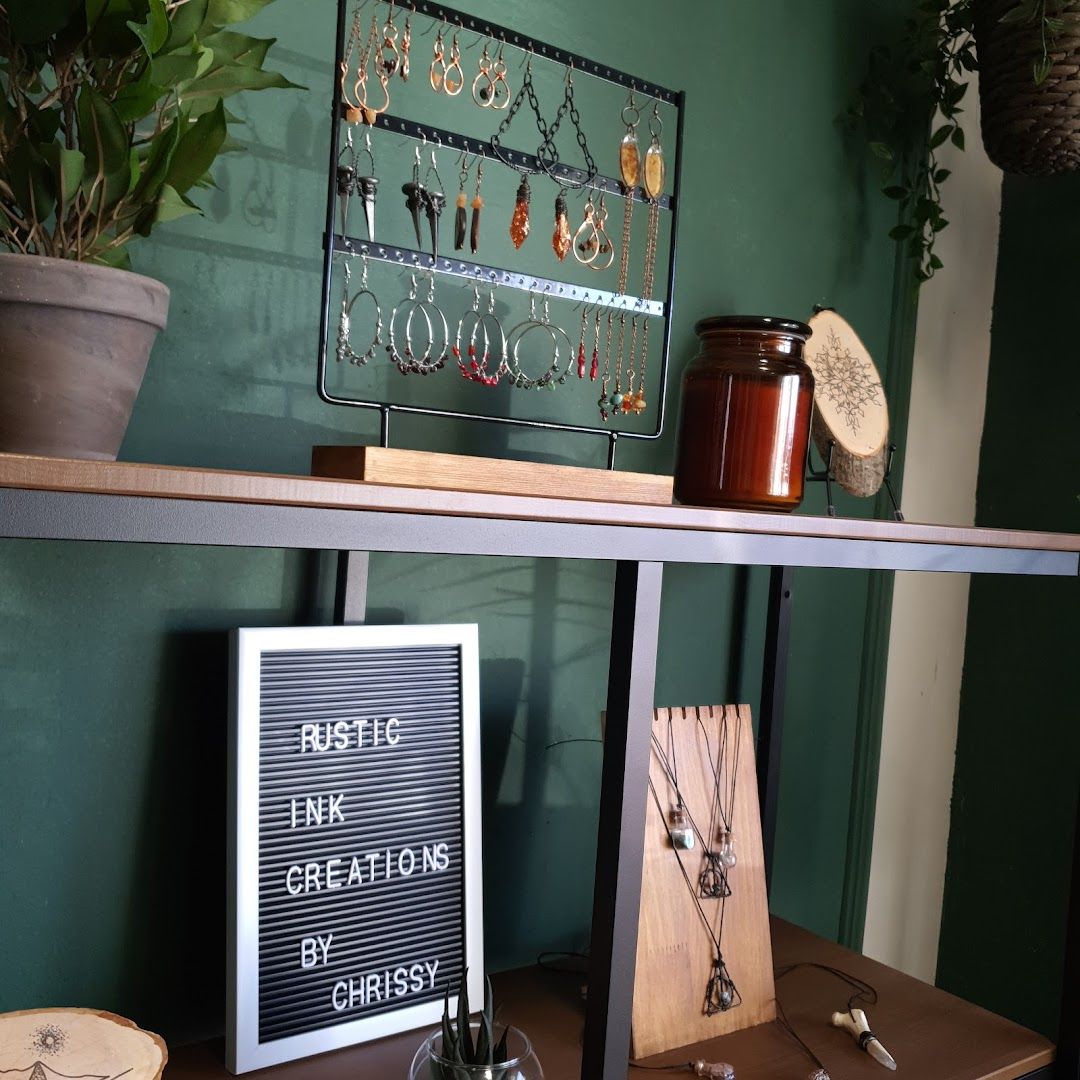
(459, 1048)
(112, 112)
(914, 86)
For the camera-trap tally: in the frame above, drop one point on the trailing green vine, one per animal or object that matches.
(915, 85)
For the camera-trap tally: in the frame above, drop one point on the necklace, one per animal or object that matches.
(713, 882)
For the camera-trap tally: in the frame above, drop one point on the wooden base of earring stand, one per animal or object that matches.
(454, 472)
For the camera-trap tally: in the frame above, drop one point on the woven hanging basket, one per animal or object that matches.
(1026, 128)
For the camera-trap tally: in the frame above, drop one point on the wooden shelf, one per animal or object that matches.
(932, 1035)
(480, 522)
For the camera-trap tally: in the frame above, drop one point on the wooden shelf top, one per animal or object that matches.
(171, 482)
(932, 1035)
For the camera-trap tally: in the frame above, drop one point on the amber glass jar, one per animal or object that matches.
(745, 425)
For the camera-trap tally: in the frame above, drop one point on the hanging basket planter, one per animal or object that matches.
(1028, 126)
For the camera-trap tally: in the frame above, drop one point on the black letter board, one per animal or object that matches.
(354, 849)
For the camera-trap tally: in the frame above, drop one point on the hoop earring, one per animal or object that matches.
(345, 350)
(517, 335)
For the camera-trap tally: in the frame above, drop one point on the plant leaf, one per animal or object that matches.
(197, 148)
(185, 24)
(68, 168)
(464, 1030)
(158, 163)
(882, 150)
(500, 1054)
(1041, 69)
(107, 147)
(901, 232)
(154, 32)
(139, 98)
(36, 21)
(226, 12)
(31, 181)
(940, 136)
(958, 138)
(895, 192)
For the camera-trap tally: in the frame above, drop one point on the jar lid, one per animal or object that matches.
(761, 324)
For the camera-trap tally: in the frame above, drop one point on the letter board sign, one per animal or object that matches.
(354, 847)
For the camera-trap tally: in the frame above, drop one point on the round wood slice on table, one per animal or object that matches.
(77, 1044)
(849, 405)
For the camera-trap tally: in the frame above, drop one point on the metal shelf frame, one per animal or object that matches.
(639, 551)
(332, 242)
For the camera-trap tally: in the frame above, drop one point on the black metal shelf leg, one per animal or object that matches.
(771, 717)
(350, 594)
(621, 833)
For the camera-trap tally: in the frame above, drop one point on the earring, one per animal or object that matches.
(605, 251)
(581, 343)
(519, 223)
(367, 112)
(451, 82)
(477, 206)
(366, 186)
(594, 367)
(460, 215)
(437, 71)
(482, 325)
(552, 375)
(561, 242)
(483, 86)
(434, 203)
(586, 239)
(415, 196)
(346, 181)
(433, 357)
(406, 45)
(389, 54)
(345, 350)
(499, 101)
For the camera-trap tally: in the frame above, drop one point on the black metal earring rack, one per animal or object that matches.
(335, 243)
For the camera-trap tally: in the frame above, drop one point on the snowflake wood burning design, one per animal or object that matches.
(846, 380)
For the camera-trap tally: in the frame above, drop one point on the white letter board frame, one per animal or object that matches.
(244, 1051)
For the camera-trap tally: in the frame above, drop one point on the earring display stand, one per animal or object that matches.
(549, 288)
(674, 956)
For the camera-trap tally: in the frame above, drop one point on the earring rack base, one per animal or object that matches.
(456, 472)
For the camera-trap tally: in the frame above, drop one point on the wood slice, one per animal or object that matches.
(675, 955)
(77, 1044)
(849, 405)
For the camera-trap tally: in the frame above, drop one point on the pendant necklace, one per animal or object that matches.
(721, 993)
(713, 882)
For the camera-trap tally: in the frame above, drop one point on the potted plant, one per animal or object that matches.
(909, 103)
(464, 1049)
(111, 114)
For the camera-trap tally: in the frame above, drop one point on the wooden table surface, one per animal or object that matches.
(216, 485)
(931, 1034)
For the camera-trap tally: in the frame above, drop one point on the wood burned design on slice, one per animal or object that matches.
(77, 1044)
(846, 380)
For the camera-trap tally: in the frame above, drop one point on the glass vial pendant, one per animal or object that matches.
(561, 241)
(519, 223)
(682, 834)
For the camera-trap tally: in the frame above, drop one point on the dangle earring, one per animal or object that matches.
(346, 182)
(345, 350)
(561, 241)
(519, 223)
(406, 45)
(477, 206)
(389, 53)
(460, 214)
(366, 186)
(353, 113)
(483, 86)
(499, 99)
(488, 328)
(605, 252)
(594, 366)
(367, 111)
(586, 239)
(654, 176)
(581, 342)
(415, 196)
(437, 71)
(434, 203)
(454, 78)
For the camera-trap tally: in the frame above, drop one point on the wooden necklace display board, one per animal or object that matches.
(675, 955)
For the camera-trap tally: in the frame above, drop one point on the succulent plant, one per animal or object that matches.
(462, 1054)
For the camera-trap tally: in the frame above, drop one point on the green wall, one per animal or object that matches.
(113, 701)
(1018, 748)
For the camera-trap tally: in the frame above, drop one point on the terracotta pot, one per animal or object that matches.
(74, 343)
